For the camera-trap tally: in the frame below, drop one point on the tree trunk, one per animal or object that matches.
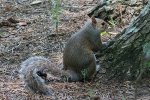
(127, 55)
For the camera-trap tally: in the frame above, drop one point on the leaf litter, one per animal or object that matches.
(38, 37)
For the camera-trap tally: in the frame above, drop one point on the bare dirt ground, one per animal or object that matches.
(35, 35)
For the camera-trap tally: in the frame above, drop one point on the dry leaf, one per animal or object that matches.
(36, 2)
(22, 23)
(30, 30)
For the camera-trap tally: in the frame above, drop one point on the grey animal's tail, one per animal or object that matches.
(29, 73)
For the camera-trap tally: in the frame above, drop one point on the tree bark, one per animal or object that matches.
(103, 10)
(126, 56)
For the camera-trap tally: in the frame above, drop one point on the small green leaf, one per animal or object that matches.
(112, 22)
(1, 34)
(90, 92)
(55, 12)
(123, 98)
(103, 33)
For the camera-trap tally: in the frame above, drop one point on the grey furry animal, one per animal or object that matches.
(37, 71)
(78, 57)
(34, 74)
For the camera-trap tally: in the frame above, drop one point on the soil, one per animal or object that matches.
(32, 32)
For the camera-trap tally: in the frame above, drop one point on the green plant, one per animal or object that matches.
(123, 98)
(112, 22)
(146, 51)
(84, 73)
(1, 34)
(65, 78)
(147, 64)
(55, 12)
(104, 33)
(90, 92)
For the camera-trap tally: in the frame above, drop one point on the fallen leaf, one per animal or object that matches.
(22, 23)
(36, 2)
(13, 20)
(30, 30)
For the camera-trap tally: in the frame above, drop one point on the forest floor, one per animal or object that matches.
(35, 34)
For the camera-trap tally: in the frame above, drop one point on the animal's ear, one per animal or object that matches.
(94, 22)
